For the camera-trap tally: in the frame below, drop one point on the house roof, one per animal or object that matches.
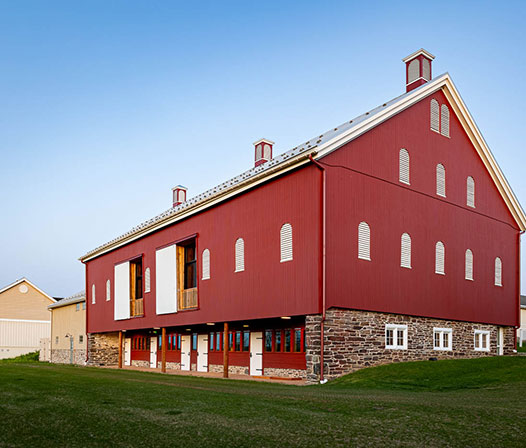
(22, 280)
(75, 298)
(319, 147)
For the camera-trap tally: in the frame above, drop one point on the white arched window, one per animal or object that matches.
(469, 265)
(285, 236)
(259, 151)
(498, 272)
(404, 166)
(206, 264)
(444, 120)
(426, 69)
(470, 187)
(441, 180)
(364, 241)
(108, 290)
(147, 280)
(440, 253)
(413, 70)
(266, 152)
(435, 116)
(93, 294)
(405, 252)
(240, 255)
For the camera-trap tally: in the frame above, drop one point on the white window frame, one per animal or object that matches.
(404, 163)
(108, 290)
(286, 243)
(147, 280)
(480, 335)
(396, 328)
(469, 272)
(441, 332)
(408, 243)
(498, 271)
(239, 255)
(93, 294)
(444, 120)
(206, 264)
(441, 180)
(440, 244)
(435, 115)
(364, 241)
(470, 191)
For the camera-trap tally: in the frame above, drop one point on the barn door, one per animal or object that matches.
(127, 351)
(185, 352)
(202, 353)
(500, 341)
(153, 352)
(256, 353)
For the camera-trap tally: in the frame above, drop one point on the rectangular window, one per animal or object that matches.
(212, 340)
(246, 341)
(287, 340)
(238, 341)
(190, 262)
(268, 340)
(178, 342)
(160, 342)
(396, 337)
(219, 340)
(194, 341)
(81, 339)
(230, 342)
(187, 274)
(278, 345)
(77, 307)
(136, 301)
(442, 338)
(297, 340)
(83, 305)
(481, 342)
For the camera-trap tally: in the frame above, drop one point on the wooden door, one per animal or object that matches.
(185, 352)
(202, 353)
(127, 351)
(153, 352)
(256, 353)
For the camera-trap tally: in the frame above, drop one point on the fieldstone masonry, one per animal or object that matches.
(356, 339)
(103, 349)
(64, 356)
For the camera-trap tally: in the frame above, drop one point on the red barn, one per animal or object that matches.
(395, 237)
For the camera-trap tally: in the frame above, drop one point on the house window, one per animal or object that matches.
(268, 340)
(364, 241)
(413, 70)
(426, 69)
(81, 339)
(405, 252)
(442, 338)
(278, 342)
(396, 337)
(108, 290)
(435, 116)
(187, 271)
(440, 258)
(470, 196)
(194, 341)
(147, 280)
(469, 265)
(404, 166)
(83, 305)
(481, 342)
(287, 341)
(206, 264)
(77, 308)
(211, 340)
(441, 180)
(444, 120)
(219, 341)
(56, 340)
(246, 340)
(93, 294)
(498, 272)
(297, 340)
(286, 242)
(240, 255)
(136, 299)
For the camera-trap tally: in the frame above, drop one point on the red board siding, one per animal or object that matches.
(390, 210)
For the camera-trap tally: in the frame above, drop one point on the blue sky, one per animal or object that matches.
(107, 105)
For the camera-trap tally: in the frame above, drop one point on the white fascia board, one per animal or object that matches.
(418, 53)
(22, 280)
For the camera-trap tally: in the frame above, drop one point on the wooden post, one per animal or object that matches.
(163, 348)
(120, 349)
(225, 350)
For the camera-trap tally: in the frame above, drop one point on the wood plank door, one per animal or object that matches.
(500, 341)
(127, 351)
(153, 352)
(256, 353)
(185, 352)
(202, 353)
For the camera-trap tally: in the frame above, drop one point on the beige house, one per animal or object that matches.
(24, 318)
(68, 330)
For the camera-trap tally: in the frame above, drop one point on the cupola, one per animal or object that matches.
(417, 68)
(263, 151)
(178, 195)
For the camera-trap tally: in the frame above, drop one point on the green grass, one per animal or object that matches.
(28, 357)
(467, 403)
(521, 349)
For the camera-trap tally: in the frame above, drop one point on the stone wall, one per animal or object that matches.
(356, 339)
(103, 349)
(140, 363)
(63, 356)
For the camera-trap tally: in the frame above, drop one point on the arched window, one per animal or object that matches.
(147, 280)
(469, 265)
(266, 152)
(439, 258)
(240, 255)
(206, 264)
(93, 294)
(108, 290)
(470, 187)
(364, 241)
(404, 166)
(441, 180)
(498, 272)
(413, 70)
(426, 69)
(444, 120)
(285, 235)
(435, 116)
(405, 253)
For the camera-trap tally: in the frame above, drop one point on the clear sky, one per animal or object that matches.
(107, 105)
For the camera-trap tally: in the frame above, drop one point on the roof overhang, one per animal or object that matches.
(418, 53)
(22, 280)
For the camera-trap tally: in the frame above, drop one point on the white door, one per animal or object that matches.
(185, 352)
(256, 353)
(202, 353)
(153, 352)
(127, 351)
(500, 341)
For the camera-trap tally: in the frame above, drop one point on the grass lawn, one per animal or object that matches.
(467, 403)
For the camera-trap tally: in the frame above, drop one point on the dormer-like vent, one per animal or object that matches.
(418, 68)
(263, 151)
(178, 195)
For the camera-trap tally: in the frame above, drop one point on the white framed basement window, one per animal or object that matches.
(396, 337)
(481, 341)
(442, 338)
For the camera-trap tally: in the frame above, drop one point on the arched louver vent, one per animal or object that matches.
(405, 253)
(93, 294)
(498, 272)
(435, 116)
(439, 258)
(286, 242)
(469, 265)
(444, 120)
(470, 186)
(441, 180)
(108, 290)
(240, 255)
(259, 151)
(266, 152)
(147, 280)
(413, 71)
(426, 69)
(404, 166)
(206, 264)
(364, 241)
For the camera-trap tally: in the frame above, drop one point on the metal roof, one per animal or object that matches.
(75, 298)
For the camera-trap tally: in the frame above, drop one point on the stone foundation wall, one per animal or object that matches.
(140, 363)
(63, 356)
(103, 349)
(285, 373)
(356, 339)
(236, 370)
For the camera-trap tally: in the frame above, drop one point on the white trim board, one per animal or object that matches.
(23, 279)
(27, 320)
